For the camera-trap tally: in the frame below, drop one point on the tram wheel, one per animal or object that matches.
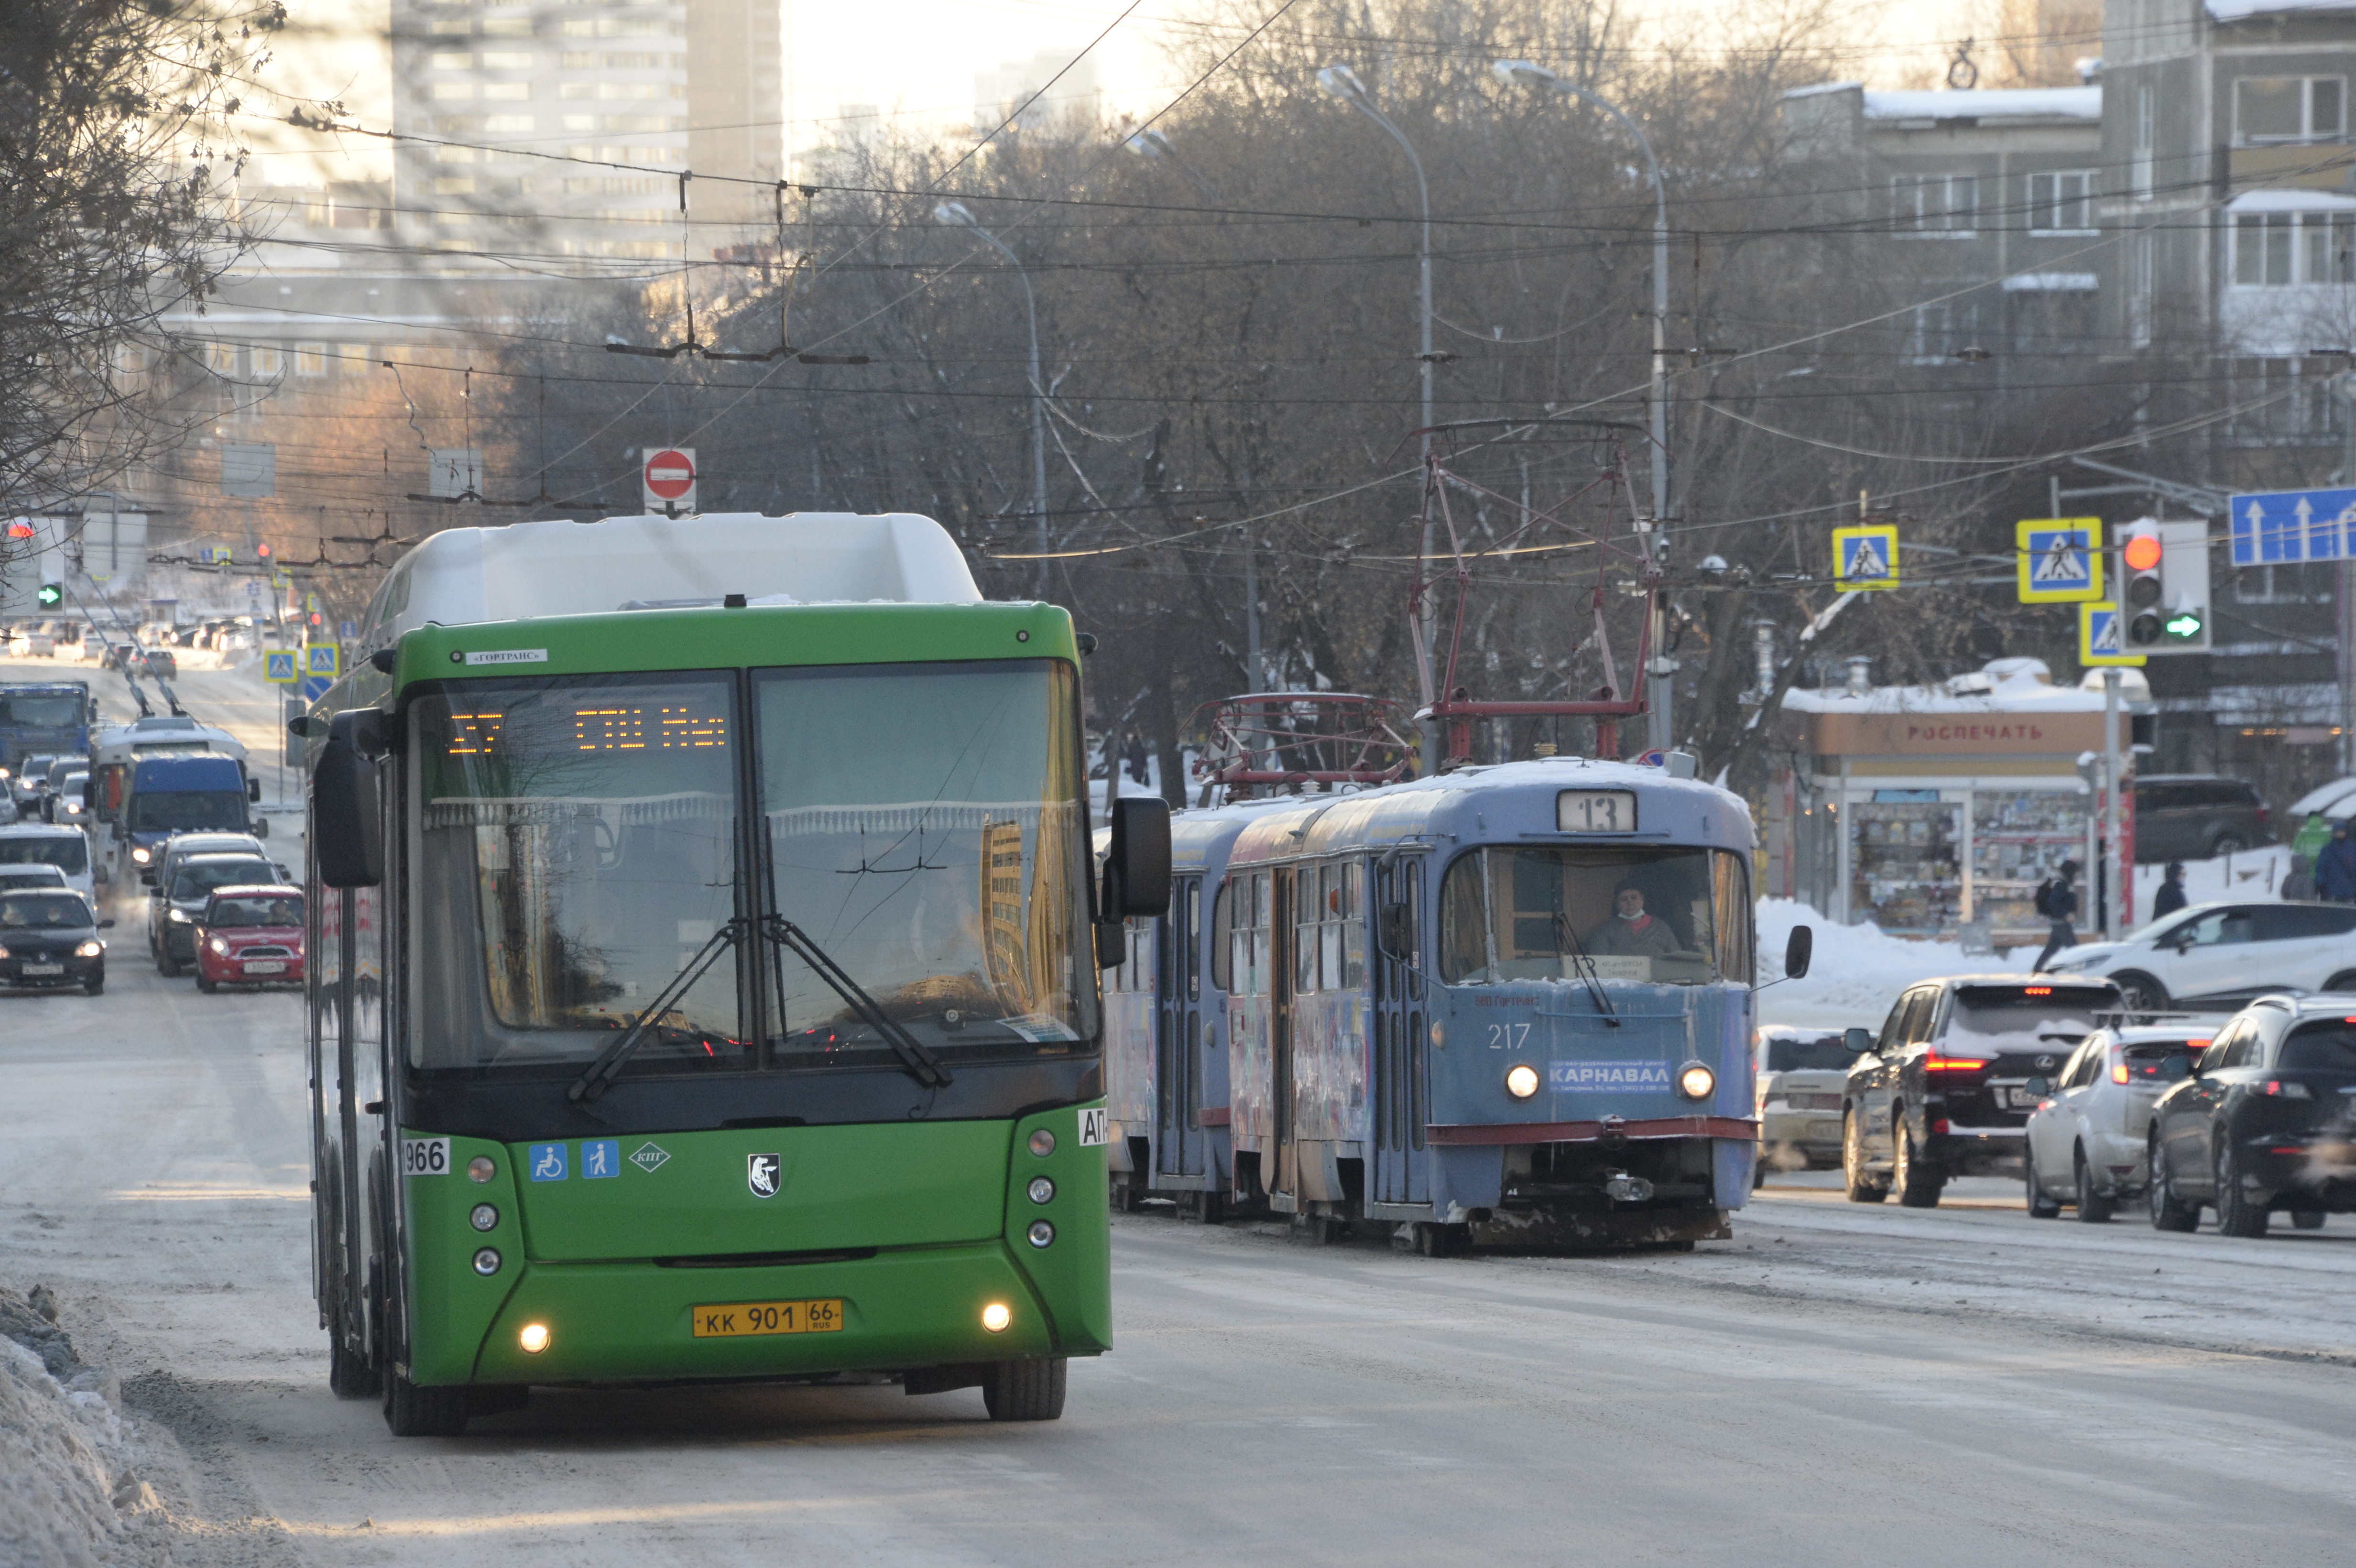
(1025, 1391)
(413, 1411)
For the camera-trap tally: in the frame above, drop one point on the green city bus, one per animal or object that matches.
(702, 970)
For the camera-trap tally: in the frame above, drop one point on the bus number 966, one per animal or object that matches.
(425, 1157)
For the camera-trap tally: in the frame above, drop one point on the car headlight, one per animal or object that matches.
(4, 952)
(218, 946)
(1696, 1081)
(141, 855)
(177, 917)
(90, 950)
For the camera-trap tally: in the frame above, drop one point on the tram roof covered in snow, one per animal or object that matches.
(1502, 803)
(468, 576)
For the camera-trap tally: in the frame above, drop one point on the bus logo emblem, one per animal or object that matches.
(761, 1174)
(649, 1158)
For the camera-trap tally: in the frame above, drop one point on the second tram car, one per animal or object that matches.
(1508, 1006)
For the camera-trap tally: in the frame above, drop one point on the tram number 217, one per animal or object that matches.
(1508, 1037)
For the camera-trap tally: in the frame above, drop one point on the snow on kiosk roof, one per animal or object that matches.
(467, 576)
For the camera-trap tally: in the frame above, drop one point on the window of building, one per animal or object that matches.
(310, 359)
(221, 358)
(2061, 202)
(507, 26)
(567, 90)
(580, 123)
(451, 26)
(1935, 204)
(2284, 401)
(2142, 275)
(2275, 250)
(2052, 321)
(508, 92)
(1941, 332)
(2275, 108)
(268, 360)
(2145, 126)
(450, 91)
(453, 154)
(508, 123)
(577, 60)
(462, 185)
(446, 59)
(506, 59)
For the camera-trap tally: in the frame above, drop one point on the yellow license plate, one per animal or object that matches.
(742, 1317)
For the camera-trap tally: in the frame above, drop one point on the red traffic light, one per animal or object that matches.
(20, 529)
(262, 550)
(2142, 552)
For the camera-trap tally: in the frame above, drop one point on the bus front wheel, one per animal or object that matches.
(413, 1411)
(1024, 1390)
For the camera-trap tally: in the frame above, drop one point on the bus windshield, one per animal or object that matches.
(1548, 912)
(923, 826)
(187, 810)
(42, 709)
(578, 853)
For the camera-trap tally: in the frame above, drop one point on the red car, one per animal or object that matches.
(251, 935)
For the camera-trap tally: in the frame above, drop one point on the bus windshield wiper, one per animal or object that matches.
(922, 1065)
(1586, 967)
(601, 1072)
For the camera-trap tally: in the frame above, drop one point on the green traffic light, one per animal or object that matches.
(2184, 626)
(51, 595)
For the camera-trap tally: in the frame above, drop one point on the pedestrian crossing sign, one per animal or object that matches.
(2061, 560)
(278, 667)
(1864, 557)
(2102, 636)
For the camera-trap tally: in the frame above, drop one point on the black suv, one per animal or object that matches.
(2196, 816)
(1943, 1091)
(2262, 1122)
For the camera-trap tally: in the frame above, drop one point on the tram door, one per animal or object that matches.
(1401, 1039)
(1279, 1176)
(1178, 1036)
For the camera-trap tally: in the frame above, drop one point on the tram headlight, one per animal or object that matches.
(1521, 1080)
(1042, 1233)
(534, 1338)
(996, 1316)
(1042, 1189)
(1696, 1081)
(484, 1218)
(481, 1168)
(487, 1262)
(1042, 1142)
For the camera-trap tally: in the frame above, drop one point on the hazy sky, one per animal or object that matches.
(915, 59)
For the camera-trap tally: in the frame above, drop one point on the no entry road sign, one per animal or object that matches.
(669, 478)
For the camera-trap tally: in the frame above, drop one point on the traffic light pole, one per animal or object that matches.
(2114, 871)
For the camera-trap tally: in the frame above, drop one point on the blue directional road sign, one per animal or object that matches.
(2294, 525)
(320, 668)
(2060, 559)
(278, 667)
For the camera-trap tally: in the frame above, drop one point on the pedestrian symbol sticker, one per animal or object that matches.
(278, 667)
(1864, 557)
(547, 1162)
(649, 1158)
(601, 1157)
(2061, 560)
(2101, 639)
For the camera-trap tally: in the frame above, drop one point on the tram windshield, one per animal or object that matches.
(1660, 915)
(922, 826)
(578, 853)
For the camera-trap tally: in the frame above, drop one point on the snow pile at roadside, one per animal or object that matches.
(68, 1497)
(1856, 970)
(2253, 875)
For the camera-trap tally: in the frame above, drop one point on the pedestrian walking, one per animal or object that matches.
(2170, 896)
(2057, 900)
(2335, 868)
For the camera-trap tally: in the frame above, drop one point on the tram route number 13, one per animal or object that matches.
(1595, 811)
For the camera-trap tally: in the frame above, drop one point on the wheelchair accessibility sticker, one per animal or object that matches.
(547, 1163)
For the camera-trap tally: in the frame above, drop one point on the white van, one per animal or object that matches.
(42, 844)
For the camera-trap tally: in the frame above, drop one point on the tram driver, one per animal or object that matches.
(1631, 932)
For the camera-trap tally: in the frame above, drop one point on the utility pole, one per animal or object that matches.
(2114, 899)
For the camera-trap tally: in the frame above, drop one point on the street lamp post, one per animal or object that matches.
(1529, 73)
(1344, 83)
(958, 216)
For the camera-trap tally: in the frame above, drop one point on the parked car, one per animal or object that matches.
(173, 913)
(2085, 1140)
(2218, 956)
(1801, 1075)
(1943, 1091)
(2262, 1122)
(2197, 817)
(48, 937)
(251, 936)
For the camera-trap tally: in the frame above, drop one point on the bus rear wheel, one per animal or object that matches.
(1025, 1391)
(413, 1411)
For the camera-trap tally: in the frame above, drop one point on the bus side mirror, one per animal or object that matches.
(254, 791)
(349, 823)
(1391, 930)
(1137, 864)
(1797, 951)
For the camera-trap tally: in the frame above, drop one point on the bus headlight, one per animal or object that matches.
(484, 1218)
(487, 1262)
(1696, 1081)
(534, 1338)
(1042, 1142)
(1521, 1080)
(481, 1168)
(1042, 1233)
(996, 1316)
(1042, 1189)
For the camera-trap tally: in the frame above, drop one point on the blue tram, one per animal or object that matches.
(1508, 1006)
(1165, 1029)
